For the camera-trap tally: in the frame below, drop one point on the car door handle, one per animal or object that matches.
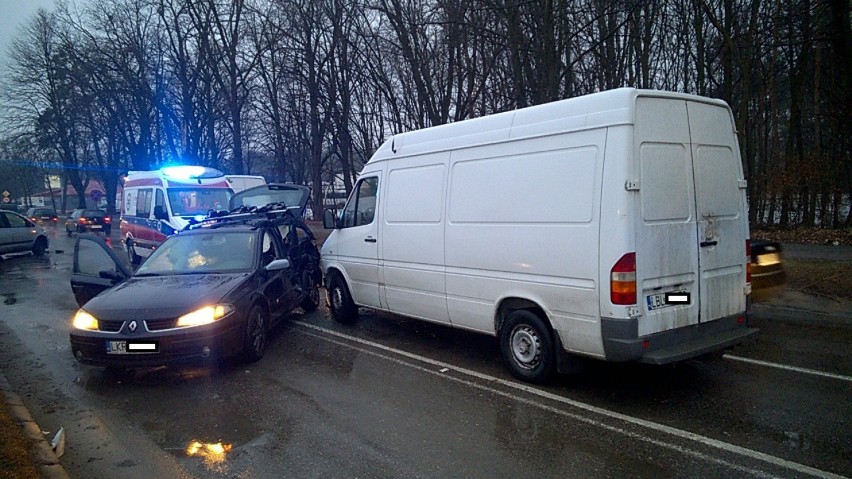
(705, 244)
(370, 240)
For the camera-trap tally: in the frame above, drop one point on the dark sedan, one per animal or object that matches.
(767, 269)
(209, 292)
(88, 221)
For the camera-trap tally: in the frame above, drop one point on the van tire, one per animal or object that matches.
(527, 346)
(256, 329)
(343, 309)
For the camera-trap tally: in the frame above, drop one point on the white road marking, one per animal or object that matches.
(788, 368)
(661, 428)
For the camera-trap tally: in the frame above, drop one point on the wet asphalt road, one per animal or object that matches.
(392, 397)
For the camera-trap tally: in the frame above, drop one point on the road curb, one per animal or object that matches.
(41, 453)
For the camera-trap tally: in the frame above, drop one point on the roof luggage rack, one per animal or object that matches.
(244, 214)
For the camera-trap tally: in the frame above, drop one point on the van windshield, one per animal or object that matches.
(198, 201)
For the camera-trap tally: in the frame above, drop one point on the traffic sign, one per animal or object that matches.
(6, 199)
(96, 195)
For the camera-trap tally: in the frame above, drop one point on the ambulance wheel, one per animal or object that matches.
(343, 309)
(134, 258)
(526, 344)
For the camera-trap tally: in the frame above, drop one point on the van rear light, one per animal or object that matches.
(748, 261)
(622, 280)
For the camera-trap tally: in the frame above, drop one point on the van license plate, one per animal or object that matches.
(657, 301)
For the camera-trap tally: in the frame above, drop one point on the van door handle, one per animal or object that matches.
(370, 240)
(705, 244)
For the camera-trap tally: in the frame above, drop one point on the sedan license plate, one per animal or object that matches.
(657, 301)
(132, 347)
(95, 227)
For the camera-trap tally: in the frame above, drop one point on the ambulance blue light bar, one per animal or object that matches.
(191, 172)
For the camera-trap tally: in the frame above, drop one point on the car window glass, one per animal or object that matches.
(92, 259)
(16, 221)
(270, 249)
(143, 203)
(94, 213)
(4, 222)
(361, 208)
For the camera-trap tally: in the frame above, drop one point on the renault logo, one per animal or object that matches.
(132, 326)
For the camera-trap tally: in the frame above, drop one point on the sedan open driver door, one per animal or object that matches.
(96, 268)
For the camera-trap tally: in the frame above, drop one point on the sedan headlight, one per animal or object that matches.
(84, 320)
(205, 315)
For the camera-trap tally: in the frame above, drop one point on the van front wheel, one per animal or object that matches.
(343, 309)
(527, 346)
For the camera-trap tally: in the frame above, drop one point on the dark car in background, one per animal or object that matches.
(767, 269)
(43, 216)
(88, 220)
(213, 290)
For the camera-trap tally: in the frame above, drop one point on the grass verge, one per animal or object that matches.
(15, 460)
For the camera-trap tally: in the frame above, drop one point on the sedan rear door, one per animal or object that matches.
(96, 268)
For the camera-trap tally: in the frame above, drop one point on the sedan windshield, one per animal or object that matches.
(210, 252)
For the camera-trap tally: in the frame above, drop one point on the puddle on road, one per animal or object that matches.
(211, 419)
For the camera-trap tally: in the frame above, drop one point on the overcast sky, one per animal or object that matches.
(13, 14)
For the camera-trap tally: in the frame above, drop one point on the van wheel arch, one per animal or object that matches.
(529, 345)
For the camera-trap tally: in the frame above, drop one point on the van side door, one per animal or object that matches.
(358, 238)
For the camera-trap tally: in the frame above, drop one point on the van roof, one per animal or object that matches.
(598, 110)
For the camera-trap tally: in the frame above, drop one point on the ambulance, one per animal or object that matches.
(158, 203)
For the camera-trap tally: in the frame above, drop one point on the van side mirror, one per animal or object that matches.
(329, 221)
(160, 213)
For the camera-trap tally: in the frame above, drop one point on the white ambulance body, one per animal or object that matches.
(612, 226)
(158, 203)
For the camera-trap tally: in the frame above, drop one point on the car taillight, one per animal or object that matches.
(82, 221)
(748, 261)
(107, 219)
(622, 280)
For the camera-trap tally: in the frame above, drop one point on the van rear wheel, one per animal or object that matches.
(134, 258)
(343, 309)
(527, 346)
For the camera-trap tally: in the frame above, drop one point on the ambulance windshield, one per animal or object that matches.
(198, 201)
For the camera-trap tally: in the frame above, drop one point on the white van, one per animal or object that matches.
(612, 226)
(158, 203)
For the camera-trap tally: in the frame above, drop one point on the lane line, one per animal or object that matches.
(787, 368)
(661, 428)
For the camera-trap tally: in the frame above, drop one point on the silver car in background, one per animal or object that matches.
(19, 234)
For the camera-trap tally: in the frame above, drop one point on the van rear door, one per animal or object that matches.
(720, 207)
(691, 229)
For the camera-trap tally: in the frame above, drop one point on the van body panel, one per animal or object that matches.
(533, 208)
(412, 237)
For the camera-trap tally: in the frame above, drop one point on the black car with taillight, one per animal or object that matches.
(88, 221)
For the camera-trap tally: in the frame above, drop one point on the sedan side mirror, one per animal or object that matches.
(278, 264)
(113, 276)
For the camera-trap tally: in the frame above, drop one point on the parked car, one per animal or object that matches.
(17, 234)
(211, 291)
(43, 215)
(767, 269)
(9, 207)
(88, 220)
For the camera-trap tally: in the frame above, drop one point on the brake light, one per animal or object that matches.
(107, 219)
(748, 261)
(82, 221)
(622, 280)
